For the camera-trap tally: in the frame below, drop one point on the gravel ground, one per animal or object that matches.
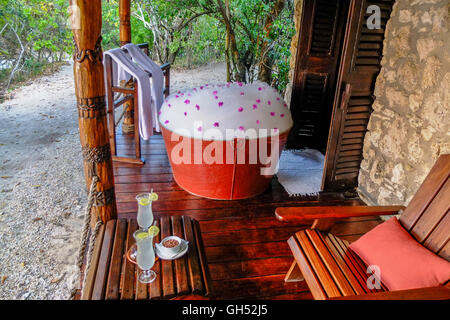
(42, 188)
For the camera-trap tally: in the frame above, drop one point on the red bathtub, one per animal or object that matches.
(227, 181)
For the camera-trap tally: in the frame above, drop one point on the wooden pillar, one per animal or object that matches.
(91, 103)
(125, 37)
(125, 25)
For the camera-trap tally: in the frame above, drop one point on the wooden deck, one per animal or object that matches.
(245, 245)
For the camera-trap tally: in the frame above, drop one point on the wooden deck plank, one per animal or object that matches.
(113, 285)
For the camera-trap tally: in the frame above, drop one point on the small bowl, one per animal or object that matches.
(171, 250)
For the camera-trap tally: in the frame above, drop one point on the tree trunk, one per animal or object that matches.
(90, 93)
(266, 63)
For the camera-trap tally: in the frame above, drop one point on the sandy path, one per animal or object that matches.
(42, 189)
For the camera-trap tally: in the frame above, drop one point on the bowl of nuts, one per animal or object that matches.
(170, 246)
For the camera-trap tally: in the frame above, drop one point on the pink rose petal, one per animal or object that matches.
(241, 128)
(187, 101)
(241, 109)
(200, 129)
(242, 93)
(216, 97)
(258, 122)
(197, 107)
(282, 115)
(220, 104)
(166, 122)
(269, 102)
(214, 92)
(216, 124)
(255, 107)
(258, 100)
(185, 114)
(259, 89)
(272, 114)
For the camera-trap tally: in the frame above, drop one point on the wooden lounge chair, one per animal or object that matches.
(128, 93)
(332, 271)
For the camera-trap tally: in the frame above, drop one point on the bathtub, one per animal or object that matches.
(231, 167)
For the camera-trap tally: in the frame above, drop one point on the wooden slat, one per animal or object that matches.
(427, 191)
(318, 266)
(168, 283)
(98, 293)
(90, 280)
(445, 251)
(194, 268)
(440, 237)
(311, 278)
(202, 258)
(113, 285)
(331, 265)
(435, 293)
(431, 217)
(181, 275)
(339, 256)
(155, 288)
(128, 272)
(352, 265)
(305, 214)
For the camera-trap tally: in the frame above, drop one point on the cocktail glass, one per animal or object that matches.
(145, 256)
(145, 213)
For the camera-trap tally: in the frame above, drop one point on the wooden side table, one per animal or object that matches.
(112, 276)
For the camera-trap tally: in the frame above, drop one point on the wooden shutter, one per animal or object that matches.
(360, 66)
(319, 49)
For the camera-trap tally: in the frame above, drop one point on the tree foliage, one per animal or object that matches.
(252, 36)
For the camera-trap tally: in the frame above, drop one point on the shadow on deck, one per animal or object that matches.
(245, 245)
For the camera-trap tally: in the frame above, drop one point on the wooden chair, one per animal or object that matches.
(332, 271)
(127, 93)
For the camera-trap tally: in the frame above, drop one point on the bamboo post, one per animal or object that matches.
(90, 93)
(125, 37)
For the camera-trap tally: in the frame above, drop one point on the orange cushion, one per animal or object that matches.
(403, 262)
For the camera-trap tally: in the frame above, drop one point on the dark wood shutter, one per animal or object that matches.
(319, 50)
(360, 66)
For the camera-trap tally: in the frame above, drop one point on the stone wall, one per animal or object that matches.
(410, 125)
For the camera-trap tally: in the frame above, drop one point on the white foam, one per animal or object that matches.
(218, 108)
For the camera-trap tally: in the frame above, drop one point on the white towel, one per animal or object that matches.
(120, 60)
(157, 79)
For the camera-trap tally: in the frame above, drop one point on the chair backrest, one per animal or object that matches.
(427, 216)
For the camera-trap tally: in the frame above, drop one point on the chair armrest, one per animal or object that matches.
(165, 66)
(434, 293)
(309, 214)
